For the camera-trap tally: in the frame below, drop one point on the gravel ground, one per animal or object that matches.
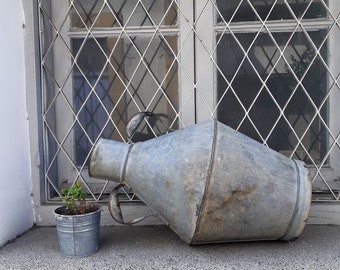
(157, 247)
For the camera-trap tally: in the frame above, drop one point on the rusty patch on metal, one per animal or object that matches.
(167, 184)
(237, 195)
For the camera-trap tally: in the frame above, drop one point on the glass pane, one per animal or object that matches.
(118, 13)
(152, 82)
(238, 11)
(263, 85)
(107, 95)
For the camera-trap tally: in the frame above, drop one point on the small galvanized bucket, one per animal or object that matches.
(78, 234)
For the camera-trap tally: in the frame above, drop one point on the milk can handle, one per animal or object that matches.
(115, 210)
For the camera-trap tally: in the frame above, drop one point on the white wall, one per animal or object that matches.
(16, 211)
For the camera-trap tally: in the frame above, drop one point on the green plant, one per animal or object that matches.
(74, 198)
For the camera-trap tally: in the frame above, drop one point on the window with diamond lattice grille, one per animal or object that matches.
(267, 68)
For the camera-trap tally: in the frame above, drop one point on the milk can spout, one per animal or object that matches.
(108, 160)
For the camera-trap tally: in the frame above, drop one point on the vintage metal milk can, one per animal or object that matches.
(211, 184)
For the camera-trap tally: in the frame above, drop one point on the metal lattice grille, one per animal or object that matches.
(267, 68)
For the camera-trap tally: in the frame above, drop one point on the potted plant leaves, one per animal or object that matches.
(78, 223)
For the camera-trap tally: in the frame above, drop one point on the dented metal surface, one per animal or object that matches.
(211, 184)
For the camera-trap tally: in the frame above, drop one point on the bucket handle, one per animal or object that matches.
(115, 210)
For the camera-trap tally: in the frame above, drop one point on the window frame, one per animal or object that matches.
(207, 29)
(321, 213)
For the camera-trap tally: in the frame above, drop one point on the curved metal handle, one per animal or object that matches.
(138, 118)
(115, 210)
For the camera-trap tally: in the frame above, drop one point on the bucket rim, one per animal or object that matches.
(100, 208)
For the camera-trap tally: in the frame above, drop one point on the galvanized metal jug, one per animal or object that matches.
(211, 184)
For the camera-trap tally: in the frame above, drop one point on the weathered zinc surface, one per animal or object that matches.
(211, 184)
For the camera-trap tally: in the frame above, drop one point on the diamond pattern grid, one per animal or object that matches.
(102, 61)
